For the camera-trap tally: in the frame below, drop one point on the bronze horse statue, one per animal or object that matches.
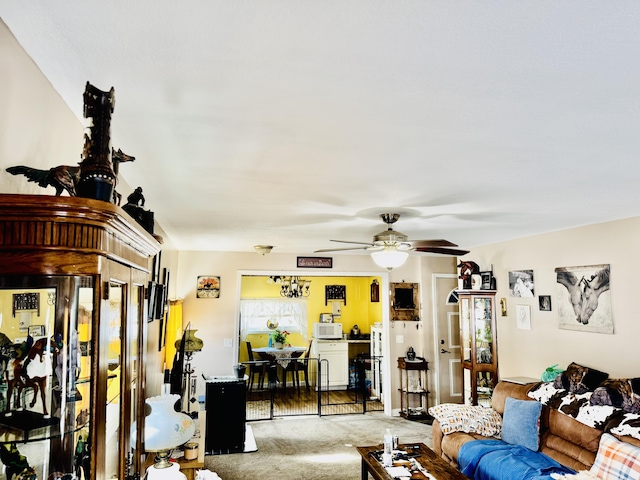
(66, 177)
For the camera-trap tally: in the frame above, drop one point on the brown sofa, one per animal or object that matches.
(562, 438)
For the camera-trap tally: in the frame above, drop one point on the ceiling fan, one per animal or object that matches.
(390, 249)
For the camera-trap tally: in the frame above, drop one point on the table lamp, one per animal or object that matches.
(164, 430)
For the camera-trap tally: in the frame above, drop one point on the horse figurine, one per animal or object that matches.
(25, 371)
(467, 268)
(66, 177)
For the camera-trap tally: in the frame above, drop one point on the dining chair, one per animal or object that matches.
(292, 367)
(259, 367)
(298, 365)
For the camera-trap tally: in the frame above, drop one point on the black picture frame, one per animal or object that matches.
(486, 280)
(544, 302)
(151, 300)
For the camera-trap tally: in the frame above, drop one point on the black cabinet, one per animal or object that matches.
(226, 405)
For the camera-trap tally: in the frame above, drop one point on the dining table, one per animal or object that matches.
(281, 356)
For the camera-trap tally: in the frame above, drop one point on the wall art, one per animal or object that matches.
(521, 283)
(208, 287)
(523, 317)
(315, 262)
(544, 302)
(584, 299)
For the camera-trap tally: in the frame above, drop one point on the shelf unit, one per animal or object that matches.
(89, 264)
(414, 388)
(478, 337)
(404, 302)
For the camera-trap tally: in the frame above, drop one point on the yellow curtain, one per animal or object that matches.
(174, 330)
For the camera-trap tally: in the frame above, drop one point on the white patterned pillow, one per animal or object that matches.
(467, 418)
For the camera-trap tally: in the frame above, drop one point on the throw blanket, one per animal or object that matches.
(498, 460)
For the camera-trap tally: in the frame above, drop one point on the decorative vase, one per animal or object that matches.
(278, 345)
(164, 428)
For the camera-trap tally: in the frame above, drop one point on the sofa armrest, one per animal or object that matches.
(509, 389)
(436, 435)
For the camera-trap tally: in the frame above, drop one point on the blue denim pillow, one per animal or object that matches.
(521, 423)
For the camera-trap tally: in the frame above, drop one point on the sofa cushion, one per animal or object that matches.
(579, 379)
(467, 418)
(521, 423)
(616, 459)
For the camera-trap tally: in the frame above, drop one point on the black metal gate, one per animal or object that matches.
(276, 396)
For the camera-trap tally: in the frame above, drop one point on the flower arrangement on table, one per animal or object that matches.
(279, 337)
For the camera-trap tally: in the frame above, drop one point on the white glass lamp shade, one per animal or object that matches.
(389, 258)
(165, 428)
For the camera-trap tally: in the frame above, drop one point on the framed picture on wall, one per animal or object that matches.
(545, 303)
(36, 330)
(208, 287)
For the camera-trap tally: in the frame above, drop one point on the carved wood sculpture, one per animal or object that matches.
(97, 178)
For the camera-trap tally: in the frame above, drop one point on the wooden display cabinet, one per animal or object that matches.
(414, 388)
(73, 278)
(478, 337)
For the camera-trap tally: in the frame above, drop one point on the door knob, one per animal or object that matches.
(442, 350)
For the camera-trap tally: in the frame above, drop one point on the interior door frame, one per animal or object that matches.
(384, 300)
(436, 335)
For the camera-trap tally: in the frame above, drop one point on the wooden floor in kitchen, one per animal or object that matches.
(291, 401)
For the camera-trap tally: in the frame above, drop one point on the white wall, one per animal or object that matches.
(36, 127)
(523, 352)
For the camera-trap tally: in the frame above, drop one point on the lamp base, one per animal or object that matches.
(172, 472)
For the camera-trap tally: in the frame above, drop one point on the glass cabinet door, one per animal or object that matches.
(484, 332)
(465, 329)
(45, 358)
(114, 380)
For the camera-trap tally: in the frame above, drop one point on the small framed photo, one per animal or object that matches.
(486, 280)
(36, 330)
(545, 303)
(208, 287)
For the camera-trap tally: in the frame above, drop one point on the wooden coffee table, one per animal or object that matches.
(435, 465)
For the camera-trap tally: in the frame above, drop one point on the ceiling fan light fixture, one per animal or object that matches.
(390, 257)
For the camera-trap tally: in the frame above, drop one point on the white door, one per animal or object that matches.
(447, 336)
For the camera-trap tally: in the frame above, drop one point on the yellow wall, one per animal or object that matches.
(358, 308)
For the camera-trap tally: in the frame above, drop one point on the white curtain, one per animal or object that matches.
(289, 314)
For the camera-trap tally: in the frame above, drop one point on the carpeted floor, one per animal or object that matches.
(313, 448)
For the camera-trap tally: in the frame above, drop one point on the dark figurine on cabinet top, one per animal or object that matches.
(133, 207)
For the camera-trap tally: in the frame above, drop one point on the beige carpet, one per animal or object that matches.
(313, 448)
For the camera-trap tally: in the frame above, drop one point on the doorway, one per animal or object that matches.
(447, 339)
(358, 308)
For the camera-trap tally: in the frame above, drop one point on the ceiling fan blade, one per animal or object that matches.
(432, 243)
(349, 241)
(442, 250)
(339, 249)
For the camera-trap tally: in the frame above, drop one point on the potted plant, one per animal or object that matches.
(279, 337)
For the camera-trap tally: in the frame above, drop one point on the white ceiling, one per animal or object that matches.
(292, 122)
